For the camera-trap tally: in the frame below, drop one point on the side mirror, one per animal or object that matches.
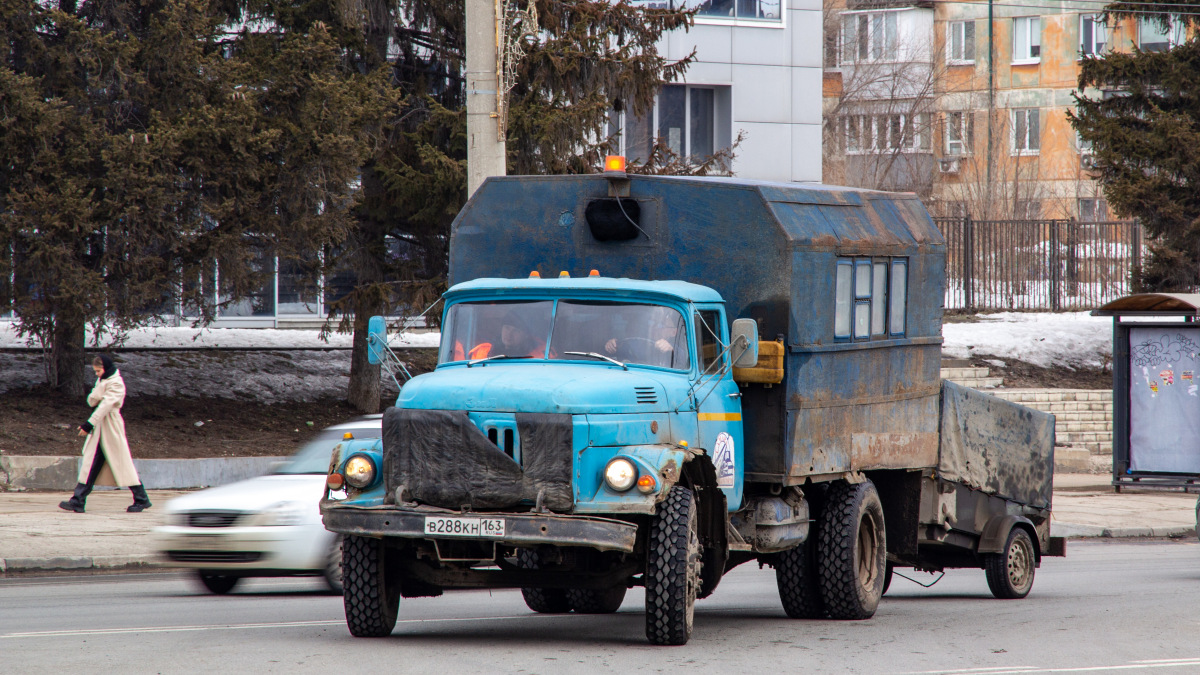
(744, 343)
(376, 340)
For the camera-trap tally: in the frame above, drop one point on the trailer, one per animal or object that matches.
(646, 381)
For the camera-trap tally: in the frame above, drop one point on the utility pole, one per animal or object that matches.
(485, 143)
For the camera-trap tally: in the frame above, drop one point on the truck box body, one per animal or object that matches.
(772, 251)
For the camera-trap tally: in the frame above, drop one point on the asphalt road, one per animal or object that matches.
(1108, 607)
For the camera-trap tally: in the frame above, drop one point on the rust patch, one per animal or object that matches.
(893, 451)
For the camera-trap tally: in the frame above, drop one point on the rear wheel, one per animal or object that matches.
(1010, 574)
(217, 583)
(592, 601)
(796, 577)
(541, 600)
(887, 578)
(852, 551)
(673, 569)
(371, 596)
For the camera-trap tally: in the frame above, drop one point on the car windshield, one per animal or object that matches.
(486, 330)
(314, 456)
(651, 335)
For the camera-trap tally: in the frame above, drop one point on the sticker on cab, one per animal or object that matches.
(723, 460)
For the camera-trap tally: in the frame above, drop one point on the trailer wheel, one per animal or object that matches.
(217, 583)
(851, 551)
(541, 600)
(1010, 574)
(592, 601)
(673, 569)
(796, 577)
(369, 593)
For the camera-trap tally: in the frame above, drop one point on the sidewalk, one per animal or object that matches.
(36, 537)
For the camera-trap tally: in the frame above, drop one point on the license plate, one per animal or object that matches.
(200, 542)
(457, 526)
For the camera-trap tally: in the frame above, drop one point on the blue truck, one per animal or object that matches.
(647, 381)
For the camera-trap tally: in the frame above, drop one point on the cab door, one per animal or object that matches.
(719, 413)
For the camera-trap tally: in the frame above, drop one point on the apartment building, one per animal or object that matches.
(979, 124)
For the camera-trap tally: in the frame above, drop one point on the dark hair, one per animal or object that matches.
(105, 361)
(98, 362)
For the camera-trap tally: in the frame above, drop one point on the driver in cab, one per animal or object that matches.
(516, 340)
(665, 342)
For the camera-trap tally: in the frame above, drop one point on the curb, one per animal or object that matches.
(1073, 531)
(77, 564)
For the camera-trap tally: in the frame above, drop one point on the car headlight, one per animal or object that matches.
(359, 471)
(620, 474)
(281, 515)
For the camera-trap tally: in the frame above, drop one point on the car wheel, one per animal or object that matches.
(333, 567)
(217, 583)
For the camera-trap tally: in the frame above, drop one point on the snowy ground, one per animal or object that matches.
(1072, 340)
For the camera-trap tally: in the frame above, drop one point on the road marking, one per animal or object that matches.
(245, 626)
(1021, 670)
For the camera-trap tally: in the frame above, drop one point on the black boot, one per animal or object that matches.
(77, 500)
(141, 500)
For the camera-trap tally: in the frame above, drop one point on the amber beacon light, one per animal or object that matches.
(614, 163)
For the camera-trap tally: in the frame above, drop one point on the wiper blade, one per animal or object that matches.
(594, 355)
(496, 358)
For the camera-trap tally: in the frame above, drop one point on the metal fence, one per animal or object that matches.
(1055, 265)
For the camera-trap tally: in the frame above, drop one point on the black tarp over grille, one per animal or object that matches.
(444, 460)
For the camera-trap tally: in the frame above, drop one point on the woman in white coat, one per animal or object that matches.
(106, 458)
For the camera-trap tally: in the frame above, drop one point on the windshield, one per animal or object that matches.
(314, 456)
(479, 330)
(650, 335)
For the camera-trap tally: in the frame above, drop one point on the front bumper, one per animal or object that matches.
(296, 547)
(521, 529)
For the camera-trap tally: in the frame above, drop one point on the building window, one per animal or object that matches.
(685, 117)
(740, 10)
(869, 298)
(1027, 209)
(960, 133)
(1027, 39)
(1093, 210)
(1026, 131)
(1093, 35)
(895, 132)
(960, 42)
(1153, 36)
(869, 36)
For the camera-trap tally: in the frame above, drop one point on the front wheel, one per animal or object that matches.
(333, 567)
(1010, 574)
(370, 594)
(673, 569)
(541, 600)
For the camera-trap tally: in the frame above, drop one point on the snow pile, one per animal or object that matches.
(1071, 340)
(229, 338)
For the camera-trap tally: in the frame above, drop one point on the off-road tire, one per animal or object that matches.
(887, 578)
(673, 567)
(219, 584)
(592, 601)
(370, 597)
(541, 600)
(332, 573)
(851, 551)
(796, 577)
(1010, 574)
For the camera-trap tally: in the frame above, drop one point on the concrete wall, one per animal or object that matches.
(61, 473)
(773, 71)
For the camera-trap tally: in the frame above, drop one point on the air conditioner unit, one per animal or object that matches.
(1088, 162)
(948, 165)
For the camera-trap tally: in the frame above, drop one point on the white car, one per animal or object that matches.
(268, 526)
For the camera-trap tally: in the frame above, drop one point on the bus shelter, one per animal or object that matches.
(1156, 389)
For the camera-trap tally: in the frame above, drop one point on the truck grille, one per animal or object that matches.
(645, 394)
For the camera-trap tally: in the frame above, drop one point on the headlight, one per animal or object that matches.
(360, 471)
(281, 514)
(620, 474)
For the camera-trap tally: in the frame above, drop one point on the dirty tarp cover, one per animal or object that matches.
(444, 460)
(996, 446)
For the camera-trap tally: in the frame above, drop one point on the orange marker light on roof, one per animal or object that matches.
(594, 273)
(563, 275)
(535, 275)
(347, 436)
(614, 163)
